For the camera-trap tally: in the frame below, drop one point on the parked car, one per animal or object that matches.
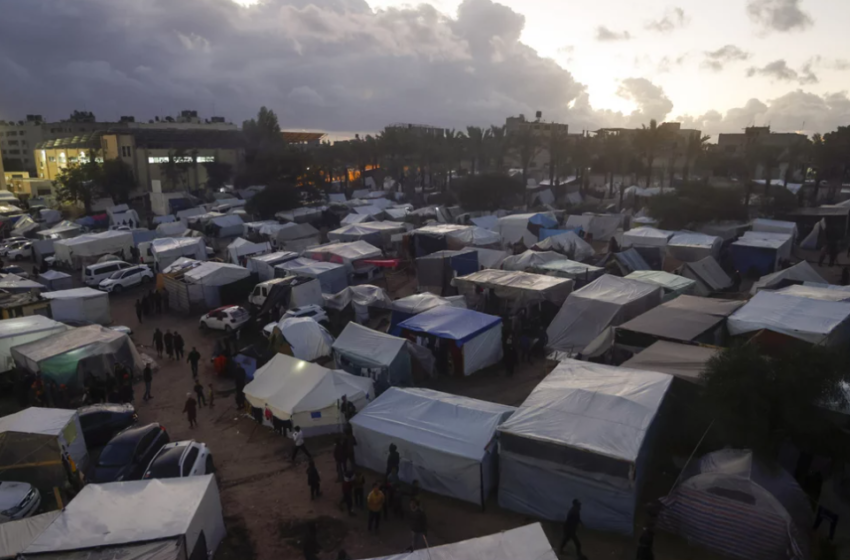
(227, 318)
(93, 274)
(179, 459)
(16, 270)
(127, 278)
(100, 422)
(128, 454)
(17, 251)
(18, 500)
(10, 240)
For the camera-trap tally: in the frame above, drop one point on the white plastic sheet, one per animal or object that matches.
(81, 305)
(808, 319)
(646, 237)
(309, 340)
(691, 247)
(530, 259)
(568, 244)
(215, 274)
(22, 330)
(799, 273)
(377, 348)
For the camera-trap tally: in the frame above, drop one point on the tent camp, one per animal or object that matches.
(162, 519)
(378, 234)
(170, 229)
(166, 250)
(446, 442)
(301, 215)
(475, 236)
(216, 274)
(32, 442)
(823, 294)
(306, 394)
(646, 237)
(16, 536)
(607, 301)
(524, 227)
(14, 284)
(383, 358)
(434, 272)
(21, 330)
(208, 285)
(600, 227)
(579, 272)
(55, 280)
(406, 307)
(585, 432)
(568, 244)
(692, 247)
(709, 277)
(80, 305)
(672, 284)
(512, 290)
(775, 226)
(308, 339)
(438, 237)
(797, 274)
(351, 254)
(333, 277)
(295, 237)
(263, 265)
(240, 250)
(685, 361)
(530, 259)
(66, 357)
(811, 320)
(760, 252)
(86, 249)
(731, 503)
(466, 339)
(63, 230)
(230, 225)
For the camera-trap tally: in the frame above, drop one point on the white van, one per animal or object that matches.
(94, 273)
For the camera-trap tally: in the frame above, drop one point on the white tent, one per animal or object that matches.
(230, 225)
(264, 265)
(775, 226)
(166, 250)
(89, 246)
(568, 244)
(309, 340)
(171, 518)
(797, 274)
(646, 237)
(475, 236)
(519, 288)
(293, 237)
(55, 280)
(585, 433)
(686, 361)
(672, 284)
(379, 356)
(514, 228)
(815, 321)
(784, 241)
(215, 274)
(445, 441)
(531, 259)
(491, 258)
(21, 330)
(601, 227)
(348, 254)
(692, 247)
(823, 294)
(241, 249)
(170, 229)
(355, 218)
(306, 394)
(16, 536)
(333, 277)
(607, 301)
(81, 305)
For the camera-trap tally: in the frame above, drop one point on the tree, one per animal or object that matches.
(218, 174)
(488, 192)
(695, 204)
(558, 153)
(117, 179)
(497, 147)
(759, 401)
(649, 141)
(274, 198)
(176, 169)
(794, 156)
(525, 144)
(694, 151)
(614, 151)
(476, 140)
(82, 116)
(79, 183)
(769, 158)
(262, 134)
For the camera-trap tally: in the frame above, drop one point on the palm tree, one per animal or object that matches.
(769, 157)
(525, 144)
(497, 146)
(649, 141)
(794, 156)
(694, 150)
(613, 150)
(476, 141)
(582, 156)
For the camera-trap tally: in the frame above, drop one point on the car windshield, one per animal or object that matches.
(238, 313)
(167, 464)
(116, 455)
(116, 275)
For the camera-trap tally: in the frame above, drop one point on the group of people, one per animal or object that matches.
(115, 387)
(152, 303)
(174, 346)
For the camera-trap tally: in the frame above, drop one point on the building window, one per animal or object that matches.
(206, 159)
(98, 160)
(73, 160)
(11, 133)
(158, 159)
(63, 160)
(126, 152)
(184, 159)
(51, 159)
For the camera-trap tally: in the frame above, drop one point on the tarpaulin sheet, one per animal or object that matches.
(671, 283)
(530, 259)
(451, 322)
(364, 295)
(686, 361)
(646, 237)
(797, 274)
(309, 340)
(16, 536)
(80, 305)
(22, 330)
(808, 319)
(708, 274)
(215, 274)
(380, 349)
(523, 286)
(690, 247)
(823, 294)
(333, 277)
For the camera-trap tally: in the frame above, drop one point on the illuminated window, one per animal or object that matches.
(99, 159)
(72, 160)
(51, 159)
(206, 159)
(62, 159)
(42, 155)
(158, 159)
(184, 159)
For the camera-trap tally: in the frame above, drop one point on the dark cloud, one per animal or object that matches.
(780, 71)
(605, 34)
(674, 18)
(329, 64)
(778, 15)
(716, 60)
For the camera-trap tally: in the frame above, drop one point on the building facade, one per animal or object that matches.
(737, 145)
(546, 132)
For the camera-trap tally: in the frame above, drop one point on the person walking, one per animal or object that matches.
(169, 344)
(571, 528)
(393, 459)
(509, 358)
(375, 502)
(348, 492)
(193, 358)
(199, 390)
(178, 346)
(139, 311)
(157, 342)
(313, 480)
(359, 489)
(211, 396)
(191, 409)
(298, 439)
(147, 377)
(418, 526)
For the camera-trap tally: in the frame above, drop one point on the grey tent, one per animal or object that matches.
(381, 357)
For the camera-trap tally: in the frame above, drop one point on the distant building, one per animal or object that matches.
(671, 155)
(539, 166)
(303, 138)
(735, 145)
(19, 138)
(418, 129)
(146, 150)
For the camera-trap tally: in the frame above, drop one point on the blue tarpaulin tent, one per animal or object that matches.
(760, 255)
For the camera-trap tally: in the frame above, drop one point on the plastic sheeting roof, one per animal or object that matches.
(686, 361)
(419, 303)
(170, 246)
(62, 342)
(75, 293)
(674, 323)
(567, 243)
(666, 280)
(440, 230)
(800, 272)
(227, 221)
(486, 222)
(125, 512)
(33, 324)
(34, 420)
(345, 252)
(16, 536)
(215, 274)
(799, 317)
(571, 268)
(309, 340)
(365, 294)
(530, 259)
(15, 282)
(474, 236)
(374, 347)
(646, 237)
(451, 322)
(761, 224)
(602, 409)
(709, 272)
(491, 277)
(448, 423)
(690, 239)
(823, 294)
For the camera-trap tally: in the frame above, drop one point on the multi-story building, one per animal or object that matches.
(736, 145)
(418, 129)
(147, 151)
(547, 132)
(18, 139)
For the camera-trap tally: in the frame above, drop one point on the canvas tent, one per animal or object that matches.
(264, 265)
(240, 250)
(438, 237)
(530, 259)
(434, 272)
(607, 301)
(513, 290)
(585, 432)
(600, 227)
(14, 284)
(446, 442)
(775, 226)
(378, 234)
(381, 357)
(16, 536)
(32, 442)
(80, 305)
(692, 247)
(646, 237)
(579, 272)
(673, 285)
(291, 236)
(170, 229)
(21, 330)
(306, 394)
(66, 357)
(63, 230)
(166, 250)
(86, 249)
(814, 321)
(406, 307)
(824, 294)
(518, 227)
(797, 274)
(230, 225)
(470, 340)
(685, 361)
(55, 280)
(308, 339)
(351, 255)
(568, 244)
(162, 519)
(216, 274)
(333, 277)
(474, 236)
(736, 506)
(708, 275)
(760, 255)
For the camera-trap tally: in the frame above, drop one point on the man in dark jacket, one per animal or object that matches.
(571, 528)
(418, 526)
(339, 458)
(193, 358)
(157, 342)
(147, 376)
(393, 459)
(169, 343)
(178, 346)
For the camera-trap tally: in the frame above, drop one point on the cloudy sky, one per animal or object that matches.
(356, 65)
